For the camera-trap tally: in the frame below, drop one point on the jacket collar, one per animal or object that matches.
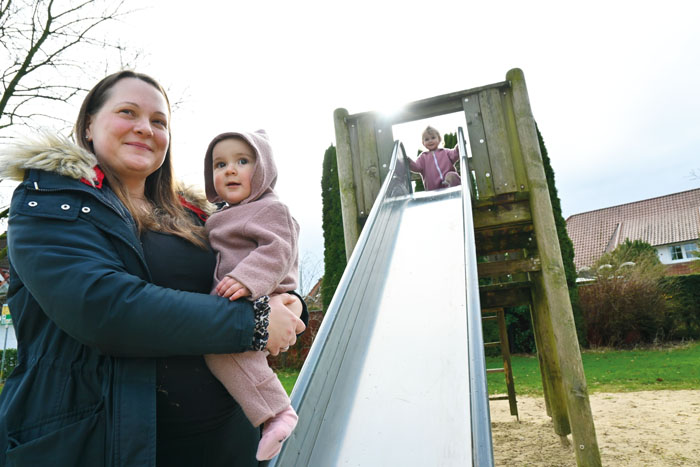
(59, 156)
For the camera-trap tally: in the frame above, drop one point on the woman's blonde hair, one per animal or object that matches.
(167, 214)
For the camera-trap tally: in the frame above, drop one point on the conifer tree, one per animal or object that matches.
(333, 239)
(565, 243)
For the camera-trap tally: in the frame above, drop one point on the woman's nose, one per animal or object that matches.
(143, 127)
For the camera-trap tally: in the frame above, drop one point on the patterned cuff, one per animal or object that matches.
(261, 316)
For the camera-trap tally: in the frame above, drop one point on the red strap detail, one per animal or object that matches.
(201, 214)
(99, 177)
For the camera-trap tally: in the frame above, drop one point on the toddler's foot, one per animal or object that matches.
(452, 179)
(275, 431)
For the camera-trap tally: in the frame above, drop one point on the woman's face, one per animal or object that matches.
(129, 133)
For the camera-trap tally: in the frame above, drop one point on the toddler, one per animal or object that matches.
(255, 239)
(436, 165)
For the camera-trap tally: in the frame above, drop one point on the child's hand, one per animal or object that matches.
(232, 289)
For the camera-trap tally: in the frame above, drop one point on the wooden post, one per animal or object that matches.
(549, 362)
(507, 366)
(555, 291)
(348, 200)
(369, 163)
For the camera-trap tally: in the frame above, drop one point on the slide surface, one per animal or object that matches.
(390, 379)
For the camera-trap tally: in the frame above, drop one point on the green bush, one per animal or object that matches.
(520, 336)
(626, 304)
(10, 362)
(682, 319)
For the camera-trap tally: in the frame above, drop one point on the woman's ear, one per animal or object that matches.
(88, 131)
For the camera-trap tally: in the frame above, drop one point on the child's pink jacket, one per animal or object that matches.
(434, 165)
(255, 240)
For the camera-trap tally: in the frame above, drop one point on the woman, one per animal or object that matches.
(110, 275)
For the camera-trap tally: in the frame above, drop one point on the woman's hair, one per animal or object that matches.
(431, 131)
(168, 215)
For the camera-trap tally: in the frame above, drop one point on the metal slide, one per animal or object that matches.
(396, 375)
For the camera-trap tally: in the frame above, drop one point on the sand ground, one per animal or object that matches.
(652, 428)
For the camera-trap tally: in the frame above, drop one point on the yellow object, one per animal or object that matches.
(6, 317)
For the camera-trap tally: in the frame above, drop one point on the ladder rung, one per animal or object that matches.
(498, 398)
(488, 318)
(492, 344)
(496, 370)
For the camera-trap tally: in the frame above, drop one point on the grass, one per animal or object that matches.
(612, 370)
(606, 370)
(288, 378)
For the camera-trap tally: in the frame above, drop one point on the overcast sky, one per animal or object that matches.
(613, 85)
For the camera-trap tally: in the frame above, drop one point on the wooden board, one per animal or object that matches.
(492, 114)
(479, 161)
(502, 214)
(385, 144)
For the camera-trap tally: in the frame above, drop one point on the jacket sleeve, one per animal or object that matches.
(77, 274)
(452, 154)
(415, 166)
(275, 232)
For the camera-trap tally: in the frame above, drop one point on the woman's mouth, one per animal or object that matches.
(140, 145)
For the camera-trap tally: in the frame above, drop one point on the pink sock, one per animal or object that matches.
(275, 431)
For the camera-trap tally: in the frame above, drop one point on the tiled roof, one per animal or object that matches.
(658, 221)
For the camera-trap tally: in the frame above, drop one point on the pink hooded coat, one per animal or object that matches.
(255, 240)
(434, 165)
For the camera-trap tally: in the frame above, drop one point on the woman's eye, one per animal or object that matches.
(127, 112)
(161, 123)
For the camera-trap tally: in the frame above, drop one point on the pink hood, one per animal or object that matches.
(264, 174)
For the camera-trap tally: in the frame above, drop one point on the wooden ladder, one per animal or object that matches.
(498, 315)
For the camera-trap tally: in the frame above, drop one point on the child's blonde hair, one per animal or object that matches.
(431, 131)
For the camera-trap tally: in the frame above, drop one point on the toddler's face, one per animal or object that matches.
(431, 141)
(233, 163)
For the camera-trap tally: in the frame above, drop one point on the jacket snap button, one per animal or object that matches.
(65, 207)
(32, 204)
(85, 209)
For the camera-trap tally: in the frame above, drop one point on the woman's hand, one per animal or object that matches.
(284, 324)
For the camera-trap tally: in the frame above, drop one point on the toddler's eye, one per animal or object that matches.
(219, 165)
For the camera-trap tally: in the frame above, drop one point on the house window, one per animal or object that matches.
(676, 252)
(681, 252)
(690, 250)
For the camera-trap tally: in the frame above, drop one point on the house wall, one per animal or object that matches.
(665, 252)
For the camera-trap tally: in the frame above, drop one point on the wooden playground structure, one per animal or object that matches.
(515, 234)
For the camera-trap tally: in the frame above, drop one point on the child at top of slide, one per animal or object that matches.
(436, 165)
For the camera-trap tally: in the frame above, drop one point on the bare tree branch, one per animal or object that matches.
(44, 45)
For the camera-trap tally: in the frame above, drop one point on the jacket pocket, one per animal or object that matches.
(80, 443)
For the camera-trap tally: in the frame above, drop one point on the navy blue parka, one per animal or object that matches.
(89, 324)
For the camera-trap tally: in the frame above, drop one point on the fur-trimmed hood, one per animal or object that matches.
(57, 154)
(50, 153)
